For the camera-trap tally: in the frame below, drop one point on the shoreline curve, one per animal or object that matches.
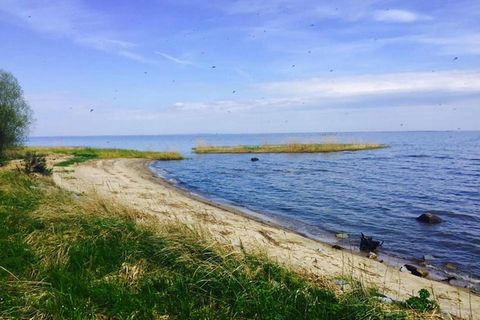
(132, 183)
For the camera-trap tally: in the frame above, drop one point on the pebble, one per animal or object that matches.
(385, 299)
(372, 255)
(340, 282)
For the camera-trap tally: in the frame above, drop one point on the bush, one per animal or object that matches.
(422, 302)
(35, 163)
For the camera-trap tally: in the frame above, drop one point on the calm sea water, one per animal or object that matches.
(378, 192)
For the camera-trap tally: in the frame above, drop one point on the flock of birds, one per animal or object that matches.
(293, 66)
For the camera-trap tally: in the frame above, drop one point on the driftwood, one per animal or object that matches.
(368, 244)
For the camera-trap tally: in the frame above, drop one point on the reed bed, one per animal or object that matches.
(288, 148)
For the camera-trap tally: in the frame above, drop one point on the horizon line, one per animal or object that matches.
(245, 133)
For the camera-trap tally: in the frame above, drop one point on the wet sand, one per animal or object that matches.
(131, 183)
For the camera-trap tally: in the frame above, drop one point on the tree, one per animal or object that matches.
(15, 113)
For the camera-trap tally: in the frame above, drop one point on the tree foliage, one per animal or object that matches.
(15, 113)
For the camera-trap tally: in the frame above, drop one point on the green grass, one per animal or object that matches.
(82, 154)
(288, 148)
(64, 257)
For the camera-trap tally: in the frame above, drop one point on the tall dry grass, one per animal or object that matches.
(288, 148)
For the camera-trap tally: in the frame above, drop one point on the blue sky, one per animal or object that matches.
(168, 67)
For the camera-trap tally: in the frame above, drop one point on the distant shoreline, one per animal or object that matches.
(240, 133)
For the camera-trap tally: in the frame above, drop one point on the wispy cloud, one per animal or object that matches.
(399, 16)
(243, 73)
(400, 89)
(174, 59)
(449, 81)
(221, 106)
(467, 43)
(347, 10)
(72, 20)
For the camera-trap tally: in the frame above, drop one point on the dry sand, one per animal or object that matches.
(130, 182)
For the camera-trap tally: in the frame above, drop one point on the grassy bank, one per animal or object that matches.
(81, 154)
(288, 148)
(65, 256)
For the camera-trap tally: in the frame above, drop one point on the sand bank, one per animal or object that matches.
(130, 182)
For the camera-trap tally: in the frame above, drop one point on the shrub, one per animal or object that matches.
(35, 163)
(421, 302)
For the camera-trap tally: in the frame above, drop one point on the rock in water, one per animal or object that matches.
(368, 244)
(254, 159)
(429, 218)
(342, 235)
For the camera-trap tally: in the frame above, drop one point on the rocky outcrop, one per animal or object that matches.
(429, 218)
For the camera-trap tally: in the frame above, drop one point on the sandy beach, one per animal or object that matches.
(131, 183)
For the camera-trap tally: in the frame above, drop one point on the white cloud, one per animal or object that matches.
(446, 81)
(399, 16)
(174, 59)
(135, 56)
(221, 106)
(383, 90)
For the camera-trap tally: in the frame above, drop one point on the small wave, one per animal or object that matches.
(417, 156)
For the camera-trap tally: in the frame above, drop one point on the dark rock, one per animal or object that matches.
(368, 244)
(254, 159)
(416, 271)
(336, 246)
(448, 279)
(429, 218)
